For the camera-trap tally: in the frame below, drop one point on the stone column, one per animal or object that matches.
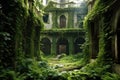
(53, 46)
(71, 45)
(54, 19)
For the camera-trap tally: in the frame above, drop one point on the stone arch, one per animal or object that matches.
(62, 46)
(62, 21)
(45, 46)
(77, 44)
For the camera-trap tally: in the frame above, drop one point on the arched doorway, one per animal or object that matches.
(45, 46)
(77, 45)
(62, 21)
(62, 46)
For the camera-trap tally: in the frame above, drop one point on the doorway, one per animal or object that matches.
(94, 39)
(45, 46)
(62, 46)
(78, 44)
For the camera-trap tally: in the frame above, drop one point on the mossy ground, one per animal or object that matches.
(73, 67)
(16, 67)
(66, 63)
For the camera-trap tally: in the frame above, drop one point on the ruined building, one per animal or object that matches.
(63, 27)
(103, 25)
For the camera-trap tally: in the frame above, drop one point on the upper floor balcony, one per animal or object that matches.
(66, 5)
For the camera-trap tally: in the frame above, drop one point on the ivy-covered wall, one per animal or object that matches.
(100, 25)
(69, 32)
(54, 37)
(19, 32)
(70, 14)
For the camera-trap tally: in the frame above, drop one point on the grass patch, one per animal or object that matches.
(66, 63)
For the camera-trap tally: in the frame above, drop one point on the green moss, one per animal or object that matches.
(103, 62)
(63, 30)
(99, 7)
(71, 19)
(100, 10)
(54, 18)
(20, 23)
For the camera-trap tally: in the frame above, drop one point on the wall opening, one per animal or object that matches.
(78, 44)
(62, 21)
(62, 46)
(45, 18)
(94, 30)
(45, 46)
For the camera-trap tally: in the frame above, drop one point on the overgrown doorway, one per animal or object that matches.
(45, 46)
(78, 44)
(62, 46)
(94, 39)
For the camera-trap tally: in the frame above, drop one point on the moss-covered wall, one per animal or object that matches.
(69, 33)
(102, 16)
(55, 35)
(69, 12)
(70, 18)
(19, 32)
(56, 18)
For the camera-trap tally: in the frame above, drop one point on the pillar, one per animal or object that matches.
(53, 46)
(71, 45)
(70, 20)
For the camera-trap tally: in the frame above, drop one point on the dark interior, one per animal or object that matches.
(62, 46)
(94, 40)
(77, 45)
(46, 46)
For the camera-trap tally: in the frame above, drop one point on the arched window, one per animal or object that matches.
(77, 45)
(62, 46)
(45, 46)
(62, 21)
(45, 18)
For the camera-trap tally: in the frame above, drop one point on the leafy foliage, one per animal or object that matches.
(19, 45)
(19, 31)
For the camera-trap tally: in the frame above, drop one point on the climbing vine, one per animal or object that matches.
(20, 31)
(19, 45)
